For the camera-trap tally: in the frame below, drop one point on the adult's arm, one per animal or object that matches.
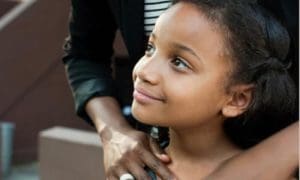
(88, 51)
(88, 66)
(276, 158)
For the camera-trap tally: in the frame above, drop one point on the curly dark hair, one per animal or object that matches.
(258, 45)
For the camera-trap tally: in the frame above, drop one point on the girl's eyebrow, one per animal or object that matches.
(180, 47)
(185, 48)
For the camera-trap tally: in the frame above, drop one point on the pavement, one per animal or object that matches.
(28, 171)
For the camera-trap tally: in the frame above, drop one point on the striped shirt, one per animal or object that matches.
(152, 10)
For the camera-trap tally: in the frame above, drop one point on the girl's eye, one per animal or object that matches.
(149, 50)
(180, 64)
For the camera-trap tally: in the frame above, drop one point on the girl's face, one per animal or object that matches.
(180, 81)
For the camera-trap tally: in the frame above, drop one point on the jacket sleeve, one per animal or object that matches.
(88, 50)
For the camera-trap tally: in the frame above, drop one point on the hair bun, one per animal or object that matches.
(274, 63)
(268, 65)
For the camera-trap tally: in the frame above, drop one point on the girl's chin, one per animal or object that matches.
(142, 118)
(146, 116)
(149, 120)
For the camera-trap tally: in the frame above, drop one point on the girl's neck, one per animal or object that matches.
(203, 148)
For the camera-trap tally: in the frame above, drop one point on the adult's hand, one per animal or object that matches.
(126, 150)
(129, 151)
(276, 158)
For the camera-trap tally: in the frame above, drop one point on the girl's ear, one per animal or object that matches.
(240, 97)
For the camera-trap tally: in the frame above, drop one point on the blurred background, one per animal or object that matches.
(35, 96)
(34, 93)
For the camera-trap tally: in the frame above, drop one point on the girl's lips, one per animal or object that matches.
(143, 96)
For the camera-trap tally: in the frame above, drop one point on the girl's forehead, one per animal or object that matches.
(185, 18)
(182, 11)
(184, 22)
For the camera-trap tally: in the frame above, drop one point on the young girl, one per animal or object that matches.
(213, 74)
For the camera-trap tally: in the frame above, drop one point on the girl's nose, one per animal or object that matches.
(146, 70)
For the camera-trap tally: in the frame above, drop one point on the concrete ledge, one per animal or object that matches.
(70, 154)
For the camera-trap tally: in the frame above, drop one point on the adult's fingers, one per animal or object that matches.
(158, 152)
(122, 151)
(135, 168)
(157, 166)
(113, 177)
(138, 172)
(119, 172)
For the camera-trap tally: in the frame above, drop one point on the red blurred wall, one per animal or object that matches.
(34, 93)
